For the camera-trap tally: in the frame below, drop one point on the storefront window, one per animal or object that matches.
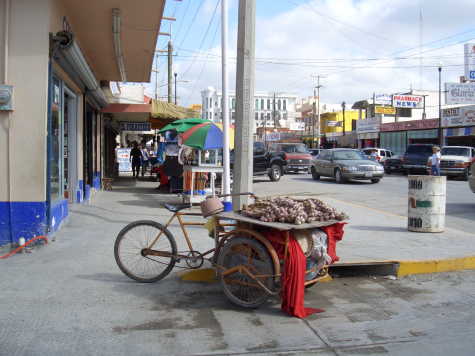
(56, 142)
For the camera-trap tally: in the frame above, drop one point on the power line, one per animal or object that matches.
(191, 23)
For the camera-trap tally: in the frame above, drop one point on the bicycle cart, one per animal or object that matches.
(247, 264)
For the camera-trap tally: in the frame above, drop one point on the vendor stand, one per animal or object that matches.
(254, 259)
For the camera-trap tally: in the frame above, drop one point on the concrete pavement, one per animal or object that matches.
(70, 298)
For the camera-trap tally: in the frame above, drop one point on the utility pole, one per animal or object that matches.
(343, 106)
(316, 112)
(441, 137)
(156, 77)
(175, 75)
(170, 71)
(245, 77)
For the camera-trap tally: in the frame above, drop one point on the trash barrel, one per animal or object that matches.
(426, 212)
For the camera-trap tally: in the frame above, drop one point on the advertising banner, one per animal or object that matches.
(331, 123)
(408, 101)
(460, 93)
(368, 125)
(382, 99)
(463, 116)
(385, 110)
(123, 158)
(135, 126)
(469, 56)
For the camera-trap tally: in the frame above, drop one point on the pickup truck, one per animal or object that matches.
(456, 161)
(415, 158)
(265, 162)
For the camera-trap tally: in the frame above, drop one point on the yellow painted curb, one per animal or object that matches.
(207, 275)
(435, 266)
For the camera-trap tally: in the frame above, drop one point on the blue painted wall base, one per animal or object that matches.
(28, 219)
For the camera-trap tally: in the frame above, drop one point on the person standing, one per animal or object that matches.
(145, 159)
(435, 161)
(135, 158)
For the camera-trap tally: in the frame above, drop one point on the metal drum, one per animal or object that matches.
(426, 204)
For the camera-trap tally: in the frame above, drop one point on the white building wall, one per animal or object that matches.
(28, 73)
(211, 101)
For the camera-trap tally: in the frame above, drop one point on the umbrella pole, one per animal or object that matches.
(225, 111)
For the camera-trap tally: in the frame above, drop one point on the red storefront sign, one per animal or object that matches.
(411, 125)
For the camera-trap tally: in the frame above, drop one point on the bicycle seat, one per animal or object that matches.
(176, 208)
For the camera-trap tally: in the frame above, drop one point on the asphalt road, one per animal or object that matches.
(389, 195)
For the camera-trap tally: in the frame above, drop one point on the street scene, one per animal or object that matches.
(237, 177)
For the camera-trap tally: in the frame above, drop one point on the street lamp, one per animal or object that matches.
(440, 106)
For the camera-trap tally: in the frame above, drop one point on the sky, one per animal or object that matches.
(358, 47)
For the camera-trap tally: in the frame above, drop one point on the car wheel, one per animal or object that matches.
(315, 175)
(339, 176)
(275, 173)
(374, 181)
(466, 174)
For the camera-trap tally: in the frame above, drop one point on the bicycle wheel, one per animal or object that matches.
(240, 288)
(136, 260)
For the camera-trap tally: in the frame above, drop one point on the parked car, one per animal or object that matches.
(415, 158)
(264, 162)
(381, 153)
(393, 164)
(345, 164)
(295, 154)
(455, 161)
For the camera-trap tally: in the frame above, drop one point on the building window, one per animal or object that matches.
(262, 116)
(256, 116)
(268, 104)
(268, 116)
(233, 116)
(262, 104)
(233, 103)
(284, 104)
(206, 103)
(257, 104)
(279, 104)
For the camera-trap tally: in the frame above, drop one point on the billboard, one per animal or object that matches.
(135, 126)
(469, 63)
(408, 101)
(368, 125)
(386, 110)
(382, 99)
(459, 93)
(462, 116)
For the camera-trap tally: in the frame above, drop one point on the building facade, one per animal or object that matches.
(57, 57)
(271, 109)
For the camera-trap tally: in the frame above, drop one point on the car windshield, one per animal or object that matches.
(419, 149)
(455, 151)
(348, 155)
(294, 148)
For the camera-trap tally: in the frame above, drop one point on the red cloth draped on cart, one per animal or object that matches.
(334, 233)
(293, 275)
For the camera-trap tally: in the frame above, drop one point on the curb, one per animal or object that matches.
(369, 268)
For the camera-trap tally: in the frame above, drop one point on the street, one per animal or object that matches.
(69, 297)
(389, 195)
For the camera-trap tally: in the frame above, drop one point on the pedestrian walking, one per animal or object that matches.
(136, 159)
(145, 159)
(435, 161)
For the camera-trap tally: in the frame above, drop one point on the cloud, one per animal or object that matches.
(341, 40)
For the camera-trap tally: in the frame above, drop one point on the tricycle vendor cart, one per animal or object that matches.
(248, 265)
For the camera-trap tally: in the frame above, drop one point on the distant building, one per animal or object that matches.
(283, 115)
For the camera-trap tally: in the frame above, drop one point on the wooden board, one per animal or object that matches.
(275, 225)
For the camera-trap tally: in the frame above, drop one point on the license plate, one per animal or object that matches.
(368, 174)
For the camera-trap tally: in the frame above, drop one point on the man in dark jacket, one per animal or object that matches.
(136, 159)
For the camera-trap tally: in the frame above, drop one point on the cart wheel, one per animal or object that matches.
(240, 288)
(136, 260)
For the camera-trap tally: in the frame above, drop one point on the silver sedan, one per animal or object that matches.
(344, 164)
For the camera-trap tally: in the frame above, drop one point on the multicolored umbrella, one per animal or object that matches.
(183, 125)
(205, 136)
